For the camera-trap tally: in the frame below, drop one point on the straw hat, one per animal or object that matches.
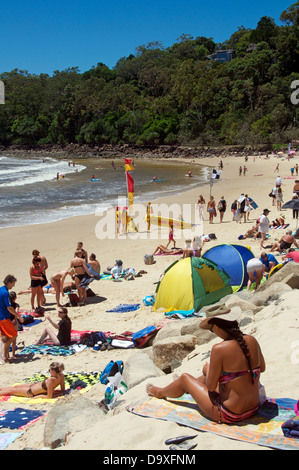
(221, 311)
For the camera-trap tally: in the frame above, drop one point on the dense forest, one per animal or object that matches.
(179, 95)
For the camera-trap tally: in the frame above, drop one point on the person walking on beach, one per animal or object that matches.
(234, 207)
(211, 208)
(279, 199)
(7, 328)
(228, 390)
(264, 225)
(221, 208)
(200, 206)
(171, 237)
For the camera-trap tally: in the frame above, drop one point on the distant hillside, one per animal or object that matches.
(195, 92)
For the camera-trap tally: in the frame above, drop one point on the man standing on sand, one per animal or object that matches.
(7, 328)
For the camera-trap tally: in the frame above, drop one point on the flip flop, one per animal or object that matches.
(179, 439)
(183, 446)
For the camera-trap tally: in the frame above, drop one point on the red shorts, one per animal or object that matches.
(7, 328)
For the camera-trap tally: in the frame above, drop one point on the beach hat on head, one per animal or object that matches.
(266, 210)
(221, 311)
(282, 216)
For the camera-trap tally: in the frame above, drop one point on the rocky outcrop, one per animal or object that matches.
(71, 414)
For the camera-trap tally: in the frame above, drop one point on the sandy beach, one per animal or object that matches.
(276, 330)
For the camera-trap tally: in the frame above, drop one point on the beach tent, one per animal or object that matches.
(191, 283)
(233, 260)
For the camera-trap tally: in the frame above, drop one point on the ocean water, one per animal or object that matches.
(30, 192)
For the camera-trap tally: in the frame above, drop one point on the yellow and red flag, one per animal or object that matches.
(128, 165)
(130, 186)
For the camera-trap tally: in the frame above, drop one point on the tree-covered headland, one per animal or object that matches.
(195, 92)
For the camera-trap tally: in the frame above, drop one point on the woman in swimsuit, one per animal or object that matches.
(80, 267)
(42, 389)
(228, 390)
(36, 276)
(57, 281)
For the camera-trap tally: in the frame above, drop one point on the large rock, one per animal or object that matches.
(272, 293)
(188, 326)
(281, 275)
(138, 368)
(72, 413)
(175, 348)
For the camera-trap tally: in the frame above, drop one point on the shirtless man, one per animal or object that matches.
(94, 263)
(285, 242)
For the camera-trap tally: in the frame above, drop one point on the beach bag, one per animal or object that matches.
(74, 299)
(143, 337)
(84, 339)
(115, 388)
(111, 369)
(149, 300)
(96, 337)
(149, 259)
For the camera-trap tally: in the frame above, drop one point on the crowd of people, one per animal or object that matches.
(82, 270)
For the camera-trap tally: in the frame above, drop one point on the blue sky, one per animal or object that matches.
(42, 36)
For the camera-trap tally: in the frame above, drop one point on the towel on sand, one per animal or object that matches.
(263, 429)
(19, 418)
(80, 381)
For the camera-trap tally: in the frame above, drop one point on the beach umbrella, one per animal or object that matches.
(292, 204)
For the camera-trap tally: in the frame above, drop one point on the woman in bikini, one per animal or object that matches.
(36, 276)
(44, 389)
(80, 268)
(228, 390)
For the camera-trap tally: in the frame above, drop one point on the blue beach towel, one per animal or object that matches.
(182, 313)
(44, 349)
(125, 308)
(7, 438)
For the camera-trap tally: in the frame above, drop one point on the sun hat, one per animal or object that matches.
(266, 210)
(282, 216)
(222, 311)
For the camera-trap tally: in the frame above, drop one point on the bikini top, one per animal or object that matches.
(227, 376)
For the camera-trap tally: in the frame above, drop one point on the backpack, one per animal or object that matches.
(74, 299)
(95, 337)
(142, 337)
(111, 369)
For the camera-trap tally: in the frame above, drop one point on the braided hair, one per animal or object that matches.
(233, 330)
